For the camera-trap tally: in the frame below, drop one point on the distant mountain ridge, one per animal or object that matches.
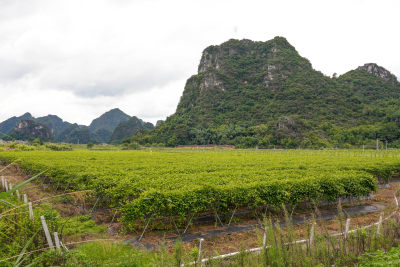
(105, 125)
(128, 128)
(99, 131)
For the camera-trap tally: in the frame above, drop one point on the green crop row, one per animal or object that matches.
(181, 183)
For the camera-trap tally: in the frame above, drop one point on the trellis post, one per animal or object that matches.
(57, 241)
(346, 231)
(378, 230)
(201, 251)
(30, 210)
(46, 232)
(312, 234)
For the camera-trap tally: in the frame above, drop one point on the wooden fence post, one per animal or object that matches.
(46, 232)
(346, 231)
(312, 234)
(57, 240)
(201, 251)
(265, 237)
(6, 185)
(17, 192)
(30, 210)
(378, 230)
(25, 199)
(396, 201)
(2, 182)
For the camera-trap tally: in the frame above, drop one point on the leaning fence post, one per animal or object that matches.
(200, 251)
(57, 240)
(30, 210)
(396, 201)
(46, 232)
(346, 231)
(378, 230)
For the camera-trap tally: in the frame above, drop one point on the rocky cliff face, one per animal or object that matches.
(29, 129)
(8, 125)
(378, 71)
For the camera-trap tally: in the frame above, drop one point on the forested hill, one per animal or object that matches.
(265, 94)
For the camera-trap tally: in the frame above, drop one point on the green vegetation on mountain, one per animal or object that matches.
(54, 123)
(265, 94)
(8, 125)
(105, 125)
(128, 128)
(29, 130)
(99, 131)
(77, 134)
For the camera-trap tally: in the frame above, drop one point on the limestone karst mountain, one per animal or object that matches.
(244, 90)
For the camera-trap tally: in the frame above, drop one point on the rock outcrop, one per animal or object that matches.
(29, 129)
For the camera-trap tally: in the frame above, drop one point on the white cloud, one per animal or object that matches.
(77, 59)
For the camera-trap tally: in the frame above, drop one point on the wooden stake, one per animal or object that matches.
(3, 182)
(312, 234)
(6, 185)
(200, 251)
(265, 237)
(25, 199)
(46, 232)
(396, 201)
(378, 230)
(17, 192)
(346, 231)
(30, 210)
(57, 240)
(10, 188)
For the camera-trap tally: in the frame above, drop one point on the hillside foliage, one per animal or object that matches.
(265, 94)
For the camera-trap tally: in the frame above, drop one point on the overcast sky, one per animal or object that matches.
(79, 58)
